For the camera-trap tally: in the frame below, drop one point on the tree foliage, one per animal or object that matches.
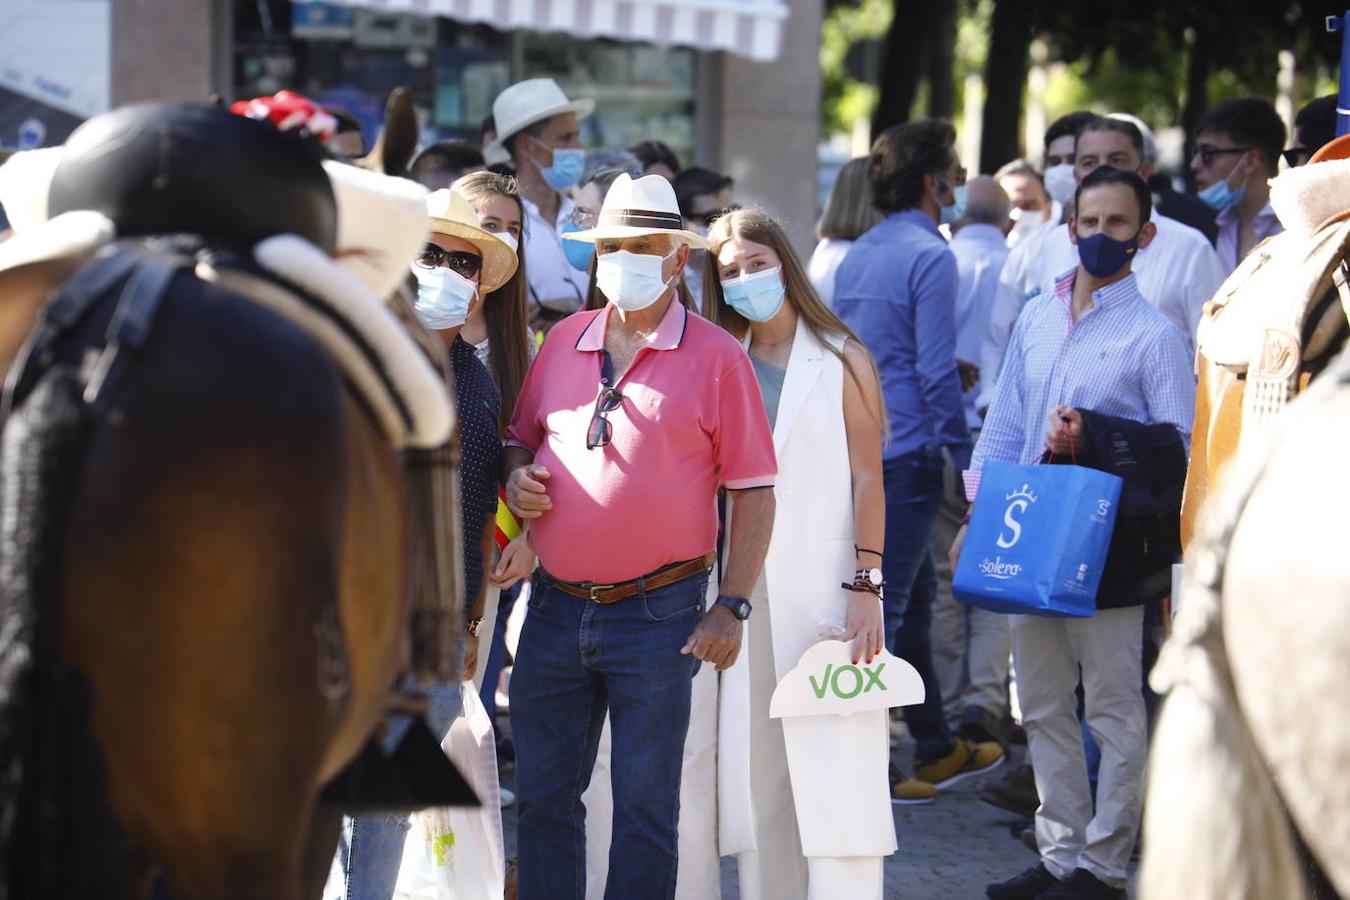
(1165, 60)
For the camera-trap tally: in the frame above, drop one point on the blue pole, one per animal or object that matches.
(1338, 23)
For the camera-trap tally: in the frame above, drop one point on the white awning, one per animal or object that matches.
(751, 28)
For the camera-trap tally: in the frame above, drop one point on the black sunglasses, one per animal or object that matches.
(601, 432)
(461, 262)
(1296, 156)
(1208, 152)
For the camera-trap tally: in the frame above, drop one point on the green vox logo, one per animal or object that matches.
(855, 681)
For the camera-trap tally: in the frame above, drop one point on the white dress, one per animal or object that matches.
(831, 771)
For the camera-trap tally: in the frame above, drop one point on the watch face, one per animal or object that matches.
(874, 576)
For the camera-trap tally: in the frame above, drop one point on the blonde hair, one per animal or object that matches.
(758, 226)
(849, 211)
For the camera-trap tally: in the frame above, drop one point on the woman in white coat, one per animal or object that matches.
(804, 802)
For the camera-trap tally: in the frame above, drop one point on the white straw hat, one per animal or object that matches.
(452, 214)
(636, 206)
(527, 102)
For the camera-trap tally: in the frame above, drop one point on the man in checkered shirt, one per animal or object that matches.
(1094, 343)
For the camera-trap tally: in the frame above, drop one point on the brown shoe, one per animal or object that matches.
(965, 760)
(1015, 792)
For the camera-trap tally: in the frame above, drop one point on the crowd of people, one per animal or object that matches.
(719, 454)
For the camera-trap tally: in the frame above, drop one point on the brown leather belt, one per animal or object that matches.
(613, 593)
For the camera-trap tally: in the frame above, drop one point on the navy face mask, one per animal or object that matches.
(1104, 256)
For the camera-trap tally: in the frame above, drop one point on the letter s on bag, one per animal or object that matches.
(1012, 523)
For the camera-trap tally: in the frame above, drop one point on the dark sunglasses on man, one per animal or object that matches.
(1208, 152)
(600, 432)
(461, 262)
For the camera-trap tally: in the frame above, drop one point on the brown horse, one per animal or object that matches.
(217, 568)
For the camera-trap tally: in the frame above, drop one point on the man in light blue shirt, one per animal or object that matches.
(897, 289)
(1092, 343)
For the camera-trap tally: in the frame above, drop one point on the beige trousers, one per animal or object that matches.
(1049, 654)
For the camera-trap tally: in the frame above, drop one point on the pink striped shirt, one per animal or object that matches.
(691, 420)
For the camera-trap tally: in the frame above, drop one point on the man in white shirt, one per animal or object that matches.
(539, 127)
(1032, 205)
(1177, 272)
(1237, 152)
(1014, 283)
(971, 646)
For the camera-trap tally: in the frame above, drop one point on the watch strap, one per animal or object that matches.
(739, 606)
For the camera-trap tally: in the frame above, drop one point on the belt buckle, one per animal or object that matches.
(598, 587)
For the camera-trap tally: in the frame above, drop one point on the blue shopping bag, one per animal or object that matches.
(1037, 540)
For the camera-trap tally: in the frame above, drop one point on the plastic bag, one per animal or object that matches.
(458, 853)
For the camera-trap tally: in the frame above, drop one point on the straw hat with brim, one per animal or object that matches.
(527, 102)
(453, 215)
(638, 206)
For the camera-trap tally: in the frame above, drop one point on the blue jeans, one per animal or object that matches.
(370, 850)
(913, 496)
(577, 660)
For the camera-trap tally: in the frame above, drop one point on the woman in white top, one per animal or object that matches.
(804, 802)
(848, 213)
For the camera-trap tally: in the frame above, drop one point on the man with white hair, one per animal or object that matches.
(630, 420)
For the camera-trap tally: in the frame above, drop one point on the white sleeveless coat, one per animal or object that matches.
(838, 764)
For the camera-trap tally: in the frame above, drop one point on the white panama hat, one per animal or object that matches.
(637, 206)
(527, 102)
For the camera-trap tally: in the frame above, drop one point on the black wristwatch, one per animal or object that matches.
(739, 606)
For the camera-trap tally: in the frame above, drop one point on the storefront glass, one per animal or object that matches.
(353, 58)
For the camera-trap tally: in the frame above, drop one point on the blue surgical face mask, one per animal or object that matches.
(568, 165)
(958, 206)
(758, 297)
(443, 297)
(1219, 196)
(579, 253)
(1104, 256)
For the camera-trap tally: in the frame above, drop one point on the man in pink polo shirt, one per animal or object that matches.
(629, 421)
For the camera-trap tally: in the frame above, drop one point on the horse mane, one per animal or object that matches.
(58, 837)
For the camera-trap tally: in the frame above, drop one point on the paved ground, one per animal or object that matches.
(951, 848)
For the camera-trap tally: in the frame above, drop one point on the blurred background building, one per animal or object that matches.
(717, 80)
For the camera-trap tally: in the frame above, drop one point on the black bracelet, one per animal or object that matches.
(857, 550)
